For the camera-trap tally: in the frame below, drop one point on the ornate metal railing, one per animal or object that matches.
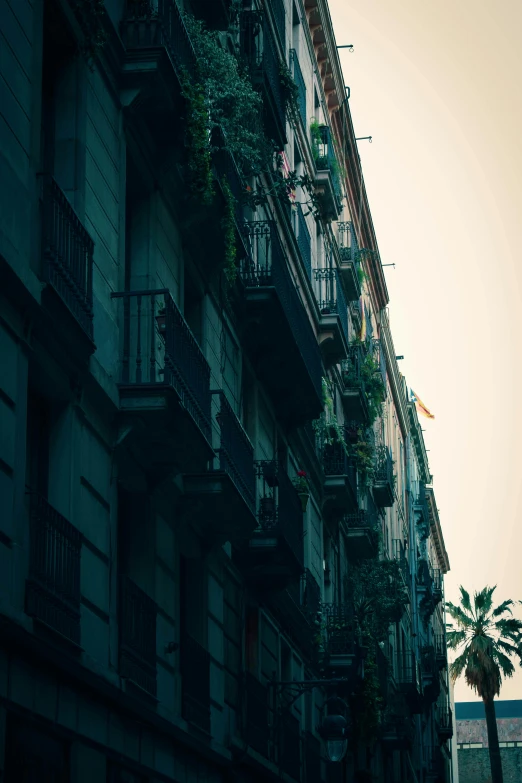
(330, 296)
(301, 86)
(280, 511)
(266, 266)
(303, 241)
(327, 160)
(441, 649)
(399, 554)
(407, 669)
(236, 453)
(148, 24)
(437, 584)
(351, 367)
(158, 349)
(195, 693)
(339, 628)
(67, 253)
(137, 614)
(383, 465)
(421, 504)
(52, 592)
(364, 518)
(347, 242)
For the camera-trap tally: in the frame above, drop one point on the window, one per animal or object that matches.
(38, 440)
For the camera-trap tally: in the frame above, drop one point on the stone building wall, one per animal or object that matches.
(474, 765)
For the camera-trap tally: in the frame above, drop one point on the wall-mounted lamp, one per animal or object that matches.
(348, 91)
(346, 46)
(363, 138)
(399, 357)
(334, 729)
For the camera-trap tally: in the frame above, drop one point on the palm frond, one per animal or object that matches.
(458, 666)
(511, 649)
(483, 600)
(504, 664)
(455, 638)
(505, 606)
(509, 626)
(464, 599)
(461, 618)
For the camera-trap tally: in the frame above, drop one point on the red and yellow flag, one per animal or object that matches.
(421, 408)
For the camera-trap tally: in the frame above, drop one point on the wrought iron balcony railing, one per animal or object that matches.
(437, 585)
(326, 160)
(235, 451)
(301, 86)
(280, 512)
(347, 242)
(339, 629)
(267, 266)
(67, 253)
(303, 241)
(52, 591)
(195, 673)
(421, 504)
(384, 479)
(445, 723)
(158, 350)
(137, 629)
(407, 671)
(441, 649)
(260, 51)
(149, 24)
(399, 554)
(330, 296)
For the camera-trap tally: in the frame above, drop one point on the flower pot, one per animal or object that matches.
(304, 497)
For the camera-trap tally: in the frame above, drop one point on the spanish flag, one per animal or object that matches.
(421, 408)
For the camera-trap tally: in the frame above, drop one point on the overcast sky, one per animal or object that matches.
(437, 84)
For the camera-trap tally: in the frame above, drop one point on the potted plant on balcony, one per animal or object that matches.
(303, 490)
(267, 509)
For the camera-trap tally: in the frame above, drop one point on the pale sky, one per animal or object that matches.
(438, 84)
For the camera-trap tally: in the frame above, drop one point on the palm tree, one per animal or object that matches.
(486, 638)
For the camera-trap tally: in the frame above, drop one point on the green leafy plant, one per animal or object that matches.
(289, 89)
(316, 139)
(90, 14)
(229, 233)
(327, 426)
(199, 159)
(373, 386)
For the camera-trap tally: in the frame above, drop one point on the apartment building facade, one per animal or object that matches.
(216, 530)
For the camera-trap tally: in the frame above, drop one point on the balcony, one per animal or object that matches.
(274, 556)
(422, 516)
(195, 688)
(327, 179)
(303, 241)
(407, 676)
(355, 399)
(430, 674)
(277, 328)
(52, 589)
(137, 630)
(349, 264)
(298, 608)
(257, 715)
(444, 723)
(301, 87)
(158, 54)
(397, 732)
(221, 501)
(429, 587)
(259, 49)
(67, 261)
(164, 383)
(333, 312)
(360, 530)
(384, 479)
(400, 557)
(339, 637)
(441, 650)
(340, 479)
(438, 589)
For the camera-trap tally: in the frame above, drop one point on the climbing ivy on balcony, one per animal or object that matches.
(229, 233)
(199, 159)
(327, 426)
(89, 14)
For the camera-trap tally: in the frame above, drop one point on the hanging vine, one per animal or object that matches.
(229, 233)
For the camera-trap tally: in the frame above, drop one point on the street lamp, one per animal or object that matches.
(334, 729)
